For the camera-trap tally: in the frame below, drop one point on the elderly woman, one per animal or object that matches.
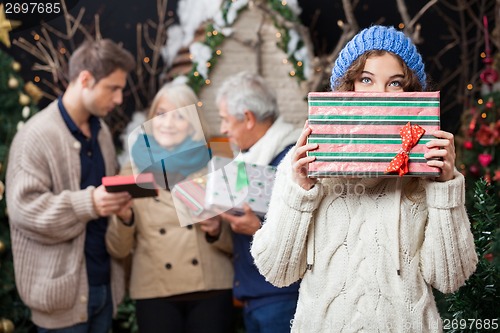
(180, 281)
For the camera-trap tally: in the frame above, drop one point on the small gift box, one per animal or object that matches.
(363, 134)
(140, 186)
(232, 183)
(192, 195)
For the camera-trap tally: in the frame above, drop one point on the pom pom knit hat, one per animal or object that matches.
(379, 38)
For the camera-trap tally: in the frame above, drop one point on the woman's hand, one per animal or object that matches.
(441, 154)
(300, 160)
(211, 226)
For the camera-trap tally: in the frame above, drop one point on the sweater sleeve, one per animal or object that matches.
(448, 255)
(34, 208)
(279, 247)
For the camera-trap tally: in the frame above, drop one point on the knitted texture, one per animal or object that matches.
(379, 38)
(353, 285)
(48, 213)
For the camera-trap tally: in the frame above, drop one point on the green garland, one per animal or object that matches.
(284, 10)
(214, 38)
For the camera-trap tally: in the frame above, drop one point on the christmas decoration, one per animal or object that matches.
(13, 83)
(204, 54)
(13, 311)
(478, 299)
(16, 66)
(6, 326)
(6, 26)
(480, 157)
(24, 99)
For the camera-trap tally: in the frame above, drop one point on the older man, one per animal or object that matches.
(250, 118)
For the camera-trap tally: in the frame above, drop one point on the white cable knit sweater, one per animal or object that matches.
(353, 285)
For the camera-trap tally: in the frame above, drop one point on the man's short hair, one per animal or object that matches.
(248, 91)
(100, 58)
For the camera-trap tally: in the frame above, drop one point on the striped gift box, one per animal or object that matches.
(192, 194)
(358, 132)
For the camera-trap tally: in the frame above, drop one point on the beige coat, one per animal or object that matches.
(168, 259)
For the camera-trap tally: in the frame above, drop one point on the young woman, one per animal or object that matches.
(354, 284)
(180, 281)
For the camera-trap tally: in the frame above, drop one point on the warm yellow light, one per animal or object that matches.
(278, 35)
(483, 115)
(36, 79)
(299, 63)
(209, 34)
(62, 50)
(483, 55)
(218, 52)
(285, 61)
(208, 64)
(401, 25)
(480, 101)
(292, 73)
(470, 86)
(146, 60)
(191, 56)
(196, 73)
(283, 3)
(200, 104)
(207, 81)
(214, 32)
(36, 37)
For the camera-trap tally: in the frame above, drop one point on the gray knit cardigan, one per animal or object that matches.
(48, 213)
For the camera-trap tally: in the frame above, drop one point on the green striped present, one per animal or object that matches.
(358, 132)
(191, 193)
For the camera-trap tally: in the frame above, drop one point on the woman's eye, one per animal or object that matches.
(178, 116)
(395, 84)
(365, 80)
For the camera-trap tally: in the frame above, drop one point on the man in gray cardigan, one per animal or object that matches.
(58, 208)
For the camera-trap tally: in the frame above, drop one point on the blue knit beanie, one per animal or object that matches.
(379, 38)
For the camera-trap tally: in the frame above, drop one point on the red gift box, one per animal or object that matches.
(358, 133)
(140, 186)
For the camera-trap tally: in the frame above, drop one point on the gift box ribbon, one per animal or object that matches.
(410, 134)
(241, 176)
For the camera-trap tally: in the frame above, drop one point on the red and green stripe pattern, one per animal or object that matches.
(191, 194)
(358, 133)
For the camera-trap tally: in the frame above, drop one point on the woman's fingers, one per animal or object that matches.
(441, 154)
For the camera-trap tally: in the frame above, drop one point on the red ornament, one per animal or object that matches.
(489, 257)
(485, 159)
(497, 175)
(487, 177)
(490, 104)
(468, 145)
(489, 76)
(485, 136)
(474, 170)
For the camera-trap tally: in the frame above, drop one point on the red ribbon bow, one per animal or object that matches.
(409, 136)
